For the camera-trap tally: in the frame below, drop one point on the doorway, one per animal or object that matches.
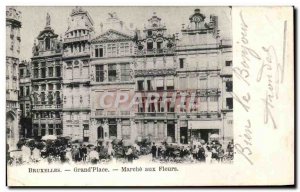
(183, 135)
(100, 134)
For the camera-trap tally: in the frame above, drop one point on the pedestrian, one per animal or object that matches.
(201, 154)
(129, 155)
(84, 153)
(76, 154)
(220, 151)
(94, 156)
(68, 153)
(36, 155)
(153, 151)
(195, 152)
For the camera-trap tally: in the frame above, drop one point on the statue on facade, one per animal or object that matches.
(48, 20)
(35, 48)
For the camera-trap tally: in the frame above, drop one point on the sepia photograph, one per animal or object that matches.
(132, 92)
(90, 88)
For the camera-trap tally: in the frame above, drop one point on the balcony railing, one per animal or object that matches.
(47, 106)
(103, 113)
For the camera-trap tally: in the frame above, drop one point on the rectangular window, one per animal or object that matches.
(58, 129)
(50, 71)
(43, 87)
(58, 73)
(112, 73)
(228, 63)
(86, 133)
(229, 103)
(43, 72)
(27, 90)
(22, 109)
(124, 49)
(36, 87)
(141, 85)
(149, 85)
(159, 84)
(125, 72)
(21, 91)
(50, 126)
(99, 73)
(181, 63)
(43, 130)
(99, 52)
(21, 72)
(229, 86)
(50, 86)
(170, 84)
(203, 99)
(111, 50)
(36, 73)
(58, 86)
(213, 98)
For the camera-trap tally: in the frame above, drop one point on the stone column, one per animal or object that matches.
(47, 129)
(106, 129)
(133, 130)
(176, 133)
(156, 130)
(165, 129)
(119, 129)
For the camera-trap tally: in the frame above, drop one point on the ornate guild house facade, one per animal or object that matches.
(76, 74)
(82, 83)
(13, 39)
(46, 82)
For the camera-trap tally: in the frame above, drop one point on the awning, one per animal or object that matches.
(217, 124)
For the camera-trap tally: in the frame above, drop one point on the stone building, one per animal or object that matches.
(76, 73)
(25, 99)
(13, 39)
(205, 68)
(79, 83)
(155, 72)
(46, 82)
(111, 73)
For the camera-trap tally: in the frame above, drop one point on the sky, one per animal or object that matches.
(34, 20)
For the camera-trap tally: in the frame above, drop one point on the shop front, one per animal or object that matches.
(203, 130)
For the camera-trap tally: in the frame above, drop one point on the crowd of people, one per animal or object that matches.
(208, 152)
(107, 151)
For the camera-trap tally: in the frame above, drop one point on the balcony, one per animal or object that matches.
(155, 115)
(76, 108)
(107, 114)
(46, 121)
(195, 47)
(47, 107)
(163, 51)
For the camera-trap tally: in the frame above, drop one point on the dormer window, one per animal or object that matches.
(47, 41)
(154, 25)
(149, 33)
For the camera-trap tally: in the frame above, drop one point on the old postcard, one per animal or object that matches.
(144, 96)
